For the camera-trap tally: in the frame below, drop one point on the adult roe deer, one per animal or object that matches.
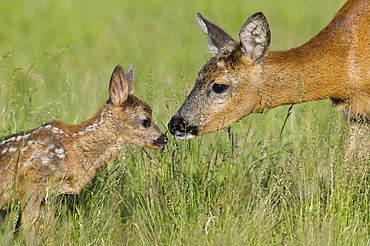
(245, 77)
(60, 158)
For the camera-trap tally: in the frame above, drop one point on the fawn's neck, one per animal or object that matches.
(95, 141)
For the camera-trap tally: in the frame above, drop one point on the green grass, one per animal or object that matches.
(255, 183)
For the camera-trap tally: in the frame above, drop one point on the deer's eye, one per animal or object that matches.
(146, 123)
(219, 88)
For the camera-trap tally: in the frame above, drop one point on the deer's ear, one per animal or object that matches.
(130, 78)
(118, 87)
(255, 37)
(218, 39)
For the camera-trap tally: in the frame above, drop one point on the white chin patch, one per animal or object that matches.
(184, 137)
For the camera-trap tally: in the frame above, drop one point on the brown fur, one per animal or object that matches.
(334, 64)
(60, 158)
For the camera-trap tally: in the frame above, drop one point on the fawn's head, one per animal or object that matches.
(227, 85)
(132, 115)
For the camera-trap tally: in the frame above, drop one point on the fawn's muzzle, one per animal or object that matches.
(180, 128)
(161, 141)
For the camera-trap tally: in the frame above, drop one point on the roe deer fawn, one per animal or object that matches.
(244, 77)
(60, 158)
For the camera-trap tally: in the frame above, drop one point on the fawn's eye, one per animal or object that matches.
(219, 88)
(145, 123)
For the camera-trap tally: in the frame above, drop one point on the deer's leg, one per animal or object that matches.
(358, 143)
(34, 215)
(31, 213)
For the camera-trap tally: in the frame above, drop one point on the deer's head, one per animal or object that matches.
(227, 85)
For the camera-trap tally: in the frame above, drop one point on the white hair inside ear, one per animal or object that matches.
(217, 38)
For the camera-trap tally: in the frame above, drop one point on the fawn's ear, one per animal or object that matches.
(130, 78)
(218, 39)
(118, 87)
(255, 37)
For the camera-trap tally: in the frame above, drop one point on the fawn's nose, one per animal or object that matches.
(177, 124)
(161, 141)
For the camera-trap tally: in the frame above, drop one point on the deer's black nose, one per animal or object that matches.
(181, 129)
(177, 124)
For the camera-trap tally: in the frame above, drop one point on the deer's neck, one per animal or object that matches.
(319, 69)
(300, 75)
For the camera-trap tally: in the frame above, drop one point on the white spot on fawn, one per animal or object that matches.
(45, 160)
(58, 131)
(12, 149)
(42, 154)
(24, 149)
(90, 128)
(16, 138)
(60, 153)
(93, 126)
(4, 151)
(8, 140)
(53, 167)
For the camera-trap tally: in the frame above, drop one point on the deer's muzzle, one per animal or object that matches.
(181, 129)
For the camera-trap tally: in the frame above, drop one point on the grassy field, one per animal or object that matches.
(255, 183)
